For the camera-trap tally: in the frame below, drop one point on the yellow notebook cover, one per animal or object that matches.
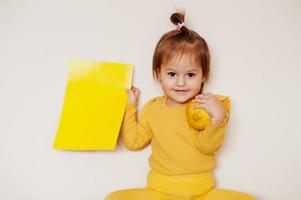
(94, 105)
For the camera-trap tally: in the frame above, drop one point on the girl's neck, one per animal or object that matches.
(171, 103)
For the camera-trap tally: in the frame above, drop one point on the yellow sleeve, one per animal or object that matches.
(136, 135)
(211, 138)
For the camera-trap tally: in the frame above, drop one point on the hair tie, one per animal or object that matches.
(179, 26)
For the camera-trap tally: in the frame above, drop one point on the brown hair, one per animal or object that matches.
(181, 42)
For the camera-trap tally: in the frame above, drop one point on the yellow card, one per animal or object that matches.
(94, 105)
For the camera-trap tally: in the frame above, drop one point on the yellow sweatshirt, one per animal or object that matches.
(177, 148)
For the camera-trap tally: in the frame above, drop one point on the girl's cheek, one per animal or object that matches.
(191, 82)
(194, 83)
(169, 81)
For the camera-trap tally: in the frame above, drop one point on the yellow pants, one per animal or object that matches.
(179, 187)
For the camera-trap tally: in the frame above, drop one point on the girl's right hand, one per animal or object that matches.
(133, 94)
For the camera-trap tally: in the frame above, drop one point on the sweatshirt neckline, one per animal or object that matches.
(172, 107)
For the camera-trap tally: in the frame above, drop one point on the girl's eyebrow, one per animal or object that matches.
(191, 70)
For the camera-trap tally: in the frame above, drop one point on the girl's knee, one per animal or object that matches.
(222, 194)
(113, 196)
(251, 197)
(248, 197)
(132, 194)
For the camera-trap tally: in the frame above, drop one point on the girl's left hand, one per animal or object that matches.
(212, 105)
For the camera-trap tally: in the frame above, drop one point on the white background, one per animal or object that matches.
(255, 48)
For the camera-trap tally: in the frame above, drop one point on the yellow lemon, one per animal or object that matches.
(197, 118)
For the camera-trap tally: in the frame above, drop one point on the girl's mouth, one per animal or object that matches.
(181, 90)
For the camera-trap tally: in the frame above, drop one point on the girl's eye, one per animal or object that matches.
(191, 74)
(171, 73)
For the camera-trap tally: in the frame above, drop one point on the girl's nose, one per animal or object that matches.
(181, 81)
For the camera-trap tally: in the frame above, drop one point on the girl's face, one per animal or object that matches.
(180, 79)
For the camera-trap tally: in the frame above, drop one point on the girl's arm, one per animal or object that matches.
(135, 135)
(211, 138)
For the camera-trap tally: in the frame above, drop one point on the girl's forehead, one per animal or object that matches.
(183, 61)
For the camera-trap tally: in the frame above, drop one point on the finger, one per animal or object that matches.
(199, 106)
(200, 100)
(201, 96)
(196, 106)
(136, 89)
(208, 93)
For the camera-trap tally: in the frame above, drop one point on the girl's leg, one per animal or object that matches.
(222, 194)
(133, 194)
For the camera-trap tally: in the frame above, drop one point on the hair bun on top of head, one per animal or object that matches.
(178, 20)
